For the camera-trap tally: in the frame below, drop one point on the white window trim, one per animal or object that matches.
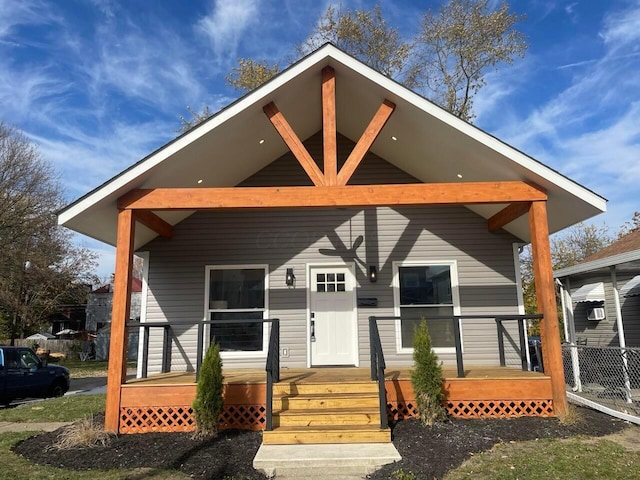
(207, 311)
(455, 297)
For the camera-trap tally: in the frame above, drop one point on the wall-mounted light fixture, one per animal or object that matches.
(373, 273)
(289, 278)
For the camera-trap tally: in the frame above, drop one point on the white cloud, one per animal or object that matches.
(226, 23)
(590, 130)
(622, 29)
(14, 13)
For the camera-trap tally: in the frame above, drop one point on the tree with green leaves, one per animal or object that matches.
(209, 401)
(41, 269)
(426, 377)
(446, 61)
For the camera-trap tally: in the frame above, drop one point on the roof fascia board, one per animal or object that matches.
(123, 179)
(597, 264)
(474, 132)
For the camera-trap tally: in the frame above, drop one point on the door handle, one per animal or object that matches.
(313, 330)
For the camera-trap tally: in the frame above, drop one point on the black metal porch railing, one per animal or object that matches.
(377, 368)
(377, 354)
(272, 366)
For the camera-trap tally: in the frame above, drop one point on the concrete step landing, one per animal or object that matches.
(315, 461)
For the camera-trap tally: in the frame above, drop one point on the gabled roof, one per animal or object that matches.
(431, 144)
(624, 252)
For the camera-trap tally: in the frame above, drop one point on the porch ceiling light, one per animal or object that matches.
(373, 273)
(290, 278)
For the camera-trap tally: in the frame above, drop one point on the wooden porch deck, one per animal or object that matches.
(163, 402)
(347, 374)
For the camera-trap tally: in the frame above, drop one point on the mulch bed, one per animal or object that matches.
(427, 452)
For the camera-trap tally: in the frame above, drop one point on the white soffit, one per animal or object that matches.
(432, 145)
(591, 292)
(631, 288)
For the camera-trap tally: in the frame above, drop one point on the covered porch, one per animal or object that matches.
(162, 402)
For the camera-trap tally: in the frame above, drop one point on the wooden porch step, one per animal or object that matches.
(323, 400)
(326, 434)
(324, 416)
(293, 388)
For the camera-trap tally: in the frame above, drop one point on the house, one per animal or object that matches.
(308, 225)
(601, 307)
(100, 302)
(601, 296)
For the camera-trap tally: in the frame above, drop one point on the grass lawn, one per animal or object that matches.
(63, 409)
(575, 458)
(91, 368)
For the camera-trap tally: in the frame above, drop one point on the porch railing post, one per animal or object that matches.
(458, 342)
(200, 349)
(269, 425)
(523, 346)
(166, 349)
(145, 351)
(372, 347)
(500, 327)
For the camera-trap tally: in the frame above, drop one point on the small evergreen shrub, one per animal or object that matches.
(426, 377)
(208, 403)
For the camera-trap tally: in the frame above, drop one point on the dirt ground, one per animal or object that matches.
(427, 452)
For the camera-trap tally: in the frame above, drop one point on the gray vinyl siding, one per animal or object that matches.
(295, 237)
(605, 332)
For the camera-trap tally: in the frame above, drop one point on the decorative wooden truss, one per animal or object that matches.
(330, 189)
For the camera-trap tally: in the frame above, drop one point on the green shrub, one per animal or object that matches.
(426, 377)
(208, 403)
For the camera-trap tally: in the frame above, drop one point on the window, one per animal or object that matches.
(424, 291)
(237, 293)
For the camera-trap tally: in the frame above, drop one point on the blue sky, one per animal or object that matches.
(99, 84)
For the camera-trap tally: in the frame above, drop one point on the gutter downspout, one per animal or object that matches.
(621, 338)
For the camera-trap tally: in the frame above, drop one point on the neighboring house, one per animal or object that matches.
(601, 296)
(100, 302)
(328, 195)
(72, 317)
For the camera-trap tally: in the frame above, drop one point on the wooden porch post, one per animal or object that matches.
(546, 299)
(117, 372)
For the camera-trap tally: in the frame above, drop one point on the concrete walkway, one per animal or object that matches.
(316, 462)
(31, 427)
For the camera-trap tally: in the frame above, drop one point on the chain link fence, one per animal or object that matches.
(609, 376)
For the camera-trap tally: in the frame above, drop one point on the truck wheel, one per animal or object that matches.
(57, 389)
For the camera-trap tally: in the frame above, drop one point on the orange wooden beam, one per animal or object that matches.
(154, 222)
(329, 135)
(508, 215)
(366, 140)
(546, 300)
(117, 371)
(294, 143)
(338, 196)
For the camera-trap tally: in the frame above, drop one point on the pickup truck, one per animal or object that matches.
(24, 375)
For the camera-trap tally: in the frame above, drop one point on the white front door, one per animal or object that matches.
(333, 326)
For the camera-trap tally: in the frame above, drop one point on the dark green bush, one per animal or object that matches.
(426, 377)
(208, 403)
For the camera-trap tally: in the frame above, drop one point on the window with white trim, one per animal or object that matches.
(237, 293)
(424, 291)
